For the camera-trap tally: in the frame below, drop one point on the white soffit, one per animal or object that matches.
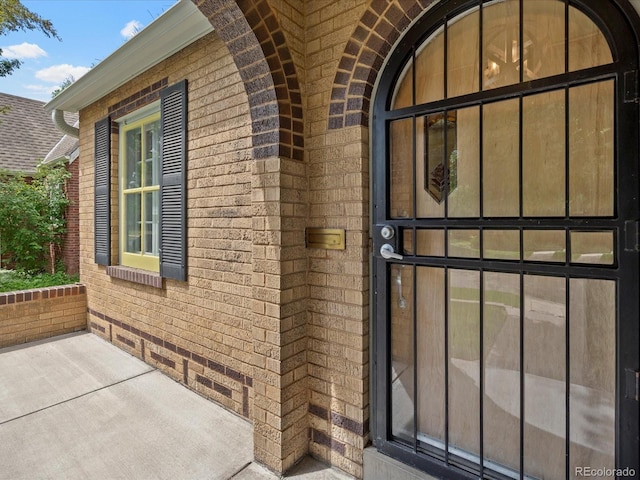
(175, 29)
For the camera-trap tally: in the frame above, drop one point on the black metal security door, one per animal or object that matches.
(506, 267)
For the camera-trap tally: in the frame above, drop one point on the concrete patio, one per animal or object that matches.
(65, 413)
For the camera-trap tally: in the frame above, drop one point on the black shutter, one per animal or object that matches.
(173, 210)
(102, 192)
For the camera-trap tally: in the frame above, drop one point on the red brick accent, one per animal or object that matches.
(71, 241)
(379, 28)
(253, 35)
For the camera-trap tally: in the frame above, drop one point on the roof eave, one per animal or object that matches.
(175, 29)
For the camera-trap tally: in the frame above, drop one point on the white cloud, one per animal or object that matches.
(131, 29)
(24, 50)
(59, 73)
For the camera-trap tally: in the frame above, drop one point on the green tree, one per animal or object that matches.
(14, 17)
(32, 221)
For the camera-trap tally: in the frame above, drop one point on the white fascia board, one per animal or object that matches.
(175, 29)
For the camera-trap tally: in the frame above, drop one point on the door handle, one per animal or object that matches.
(387, 252)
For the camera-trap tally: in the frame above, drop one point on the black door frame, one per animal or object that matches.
(620, 23)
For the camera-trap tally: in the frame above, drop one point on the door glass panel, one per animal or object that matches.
(430, 155)
(462, 54)
(403, 94)
(501, 370)
(591, 190)
(440, 155)
(430, 242)
(543, 154)
(544, 245)
(543, 33)
(592, 247)
(464, 243)
(500, 44)
(430, 310)
(587, 45)
(401, 133)
(430, 69)
(407, 242)
(544, 376)
(501, 159)
(464, 165)
(501, 244)
(402, 352)
(592, 314)
(464, 360)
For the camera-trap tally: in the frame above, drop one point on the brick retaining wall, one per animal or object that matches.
(30, 315)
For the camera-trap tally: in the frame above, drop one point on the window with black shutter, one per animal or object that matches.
(152, 193)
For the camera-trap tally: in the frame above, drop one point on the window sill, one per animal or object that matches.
(136, 276)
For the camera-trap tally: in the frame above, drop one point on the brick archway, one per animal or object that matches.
(379, 28)
(257, 44)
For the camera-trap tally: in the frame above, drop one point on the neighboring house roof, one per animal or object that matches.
(27, 133)
(178, 27)
(66, 149)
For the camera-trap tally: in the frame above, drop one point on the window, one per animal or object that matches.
(151, 186)
(140, 193)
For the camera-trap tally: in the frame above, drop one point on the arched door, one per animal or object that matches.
(505, 186)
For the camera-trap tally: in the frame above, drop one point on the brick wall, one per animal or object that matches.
(31, 315)
(199, 331)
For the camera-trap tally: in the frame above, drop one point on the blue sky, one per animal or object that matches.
(90, 31)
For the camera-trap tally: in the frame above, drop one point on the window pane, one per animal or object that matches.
(501, 348)
(464, 164)
(592, 247)
(401, 168)
(133, 214)
(403, 93)
(543, 39)
(462, 54)
(501, 40)
(501, 244)
(587, 45)
(464, 360)
(133, 158)
(593, 373)
(430, 305)
(402, 352)
(544, 376)
(543, 155)
(501, 159)
(544, 245)
(152, 153)
(430, 69)
(464, 243)
(151, 222)
(591, 164)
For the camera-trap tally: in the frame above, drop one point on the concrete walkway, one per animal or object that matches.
(76, 407)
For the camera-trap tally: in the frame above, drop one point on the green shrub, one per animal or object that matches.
(32, 218)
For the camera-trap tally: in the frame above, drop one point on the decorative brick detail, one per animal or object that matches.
(139, 99)
(230, 373)
(136, 276)
(323, 439)
(257, 44)
(379, 28)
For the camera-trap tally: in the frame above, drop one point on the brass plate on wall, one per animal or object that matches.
(327, 238)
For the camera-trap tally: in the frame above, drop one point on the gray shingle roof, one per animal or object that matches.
(27, 133)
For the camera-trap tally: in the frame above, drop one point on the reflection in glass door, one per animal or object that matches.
(510, 275)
